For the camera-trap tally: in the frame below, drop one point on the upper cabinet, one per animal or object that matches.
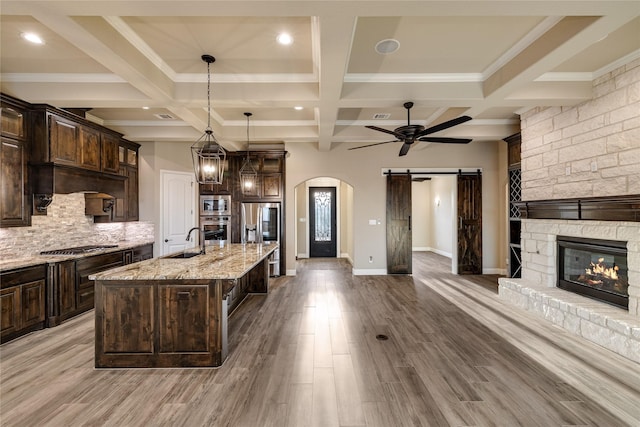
(15, 202)
(46, 150)
(270, 166)
(110, 151)
(63, 138)
(126, 206)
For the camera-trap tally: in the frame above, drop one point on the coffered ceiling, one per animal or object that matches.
(490, 60)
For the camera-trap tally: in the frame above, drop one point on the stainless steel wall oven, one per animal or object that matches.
(217, 229)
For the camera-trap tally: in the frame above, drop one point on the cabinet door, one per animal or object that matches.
(33, 304)
(10, 307)
(131, 190)
(13, 201)
(12, 122)
(89, 148)
(63, 139)
(67, 287)
(110, 154)
(184, 318)
(272, 186)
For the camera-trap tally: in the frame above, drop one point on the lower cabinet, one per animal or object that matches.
(22, 301)
(70, 292)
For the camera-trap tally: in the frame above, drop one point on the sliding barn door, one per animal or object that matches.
(470, 224)
(399, 224)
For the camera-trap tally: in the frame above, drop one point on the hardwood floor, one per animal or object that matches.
(307, 355)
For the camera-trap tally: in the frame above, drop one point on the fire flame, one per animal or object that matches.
(601, 269)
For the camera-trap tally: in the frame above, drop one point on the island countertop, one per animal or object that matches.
(231, 261)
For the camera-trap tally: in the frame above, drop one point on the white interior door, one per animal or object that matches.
(177, 200)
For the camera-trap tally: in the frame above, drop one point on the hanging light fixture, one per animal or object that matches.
(248, 174)
(208, 156)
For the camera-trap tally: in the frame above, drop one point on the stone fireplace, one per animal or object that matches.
(580, 175)
(615, 328)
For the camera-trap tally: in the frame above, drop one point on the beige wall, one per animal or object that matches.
(421, 215)
(361, 169)
(155, 157)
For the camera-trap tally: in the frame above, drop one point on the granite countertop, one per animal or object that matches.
(29, 261)
(231, 261)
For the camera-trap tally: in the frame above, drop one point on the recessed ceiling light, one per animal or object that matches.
(32, 37)
(298, 107)
(387, 46)
(284, 39)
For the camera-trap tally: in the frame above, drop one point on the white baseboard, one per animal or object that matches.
(291, 273)
(421, 249)
(368, 272)
(439, 252)
(303, 255)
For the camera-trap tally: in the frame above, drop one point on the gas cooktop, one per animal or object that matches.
(77, 250)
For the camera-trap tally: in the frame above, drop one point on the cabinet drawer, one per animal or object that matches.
(22, 275)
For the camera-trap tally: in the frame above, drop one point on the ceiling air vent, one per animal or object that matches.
(165, 116)
(381, 116)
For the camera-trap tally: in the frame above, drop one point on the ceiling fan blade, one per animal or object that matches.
(445, 125)
(390, 132)
(405, 149)
(371, 145)
(445, 140)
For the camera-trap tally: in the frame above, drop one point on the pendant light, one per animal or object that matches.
(208, 156)
(248, 174)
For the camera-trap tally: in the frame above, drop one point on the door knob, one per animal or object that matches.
(166, 240)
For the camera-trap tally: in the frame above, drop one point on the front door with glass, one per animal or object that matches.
(322, 222)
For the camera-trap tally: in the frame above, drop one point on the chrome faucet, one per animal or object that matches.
(202, 246)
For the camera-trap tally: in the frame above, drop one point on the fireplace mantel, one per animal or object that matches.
(610, 208)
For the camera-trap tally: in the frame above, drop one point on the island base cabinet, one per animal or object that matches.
(158, 324)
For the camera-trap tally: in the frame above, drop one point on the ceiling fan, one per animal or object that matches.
(411, 133)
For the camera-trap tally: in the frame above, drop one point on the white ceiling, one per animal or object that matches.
(490, 60)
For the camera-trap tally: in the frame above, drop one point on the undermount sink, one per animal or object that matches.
(184, 255)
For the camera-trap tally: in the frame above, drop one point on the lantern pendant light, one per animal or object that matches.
(207, 154)
(248, 174)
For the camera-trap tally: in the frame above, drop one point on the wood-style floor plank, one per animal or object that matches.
(306, 354)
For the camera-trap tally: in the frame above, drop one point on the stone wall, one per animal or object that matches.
(66, 225)
(588, 150)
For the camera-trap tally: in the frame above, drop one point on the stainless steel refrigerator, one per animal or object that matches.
(261, 224)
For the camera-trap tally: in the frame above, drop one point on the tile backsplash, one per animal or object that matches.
(66, 225)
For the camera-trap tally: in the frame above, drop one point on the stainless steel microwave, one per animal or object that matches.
(215, 205)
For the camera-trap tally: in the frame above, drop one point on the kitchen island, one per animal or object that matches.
(172, 311)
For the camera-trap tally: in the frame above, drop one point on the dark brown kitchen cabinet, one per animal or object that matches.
(126, 206)
(110, 149)
(62, 292)
(15, 205)
(70, 292)
(12, 120)
(78, 145)
(183, 318)
(90, 148)
(88, 266)
(22, 301)
(15, 199)
(63, 140)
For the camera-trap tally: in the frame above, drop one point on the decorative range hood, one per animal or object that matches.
(51, 178)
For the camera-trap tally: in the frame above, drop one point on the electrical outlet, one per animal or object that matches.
(567, 170)
(594, 166)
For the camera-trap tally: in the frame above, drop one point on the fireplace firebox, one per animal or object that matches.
(594, 268)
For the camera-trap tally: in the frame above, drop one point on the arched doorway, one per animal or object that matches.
(343, 216)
